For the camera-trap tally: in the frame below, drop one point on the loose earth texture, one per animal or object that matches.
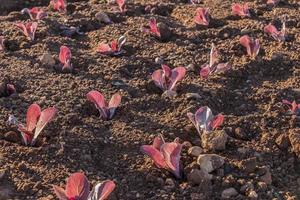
(261, 159)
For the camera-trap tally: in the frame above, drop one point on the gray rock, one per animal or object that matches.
(164, 31)
(229, 193)
(159, 60)
(215, 141)
(248, 165)
(210, 162)
(197, 177)
(47, 59)
(195, 151)
(102, 17)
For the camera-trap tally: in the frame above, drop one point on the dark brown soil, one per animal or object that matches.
(249, 96)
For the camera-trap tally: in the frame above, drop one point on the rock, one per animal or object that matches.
(267, 177)
(262, 186)
(248, 165)
(252, 195)
(283, 141)
(169, 184)
(103, 17)
(164, 31)
(197, 177)
(195, 151)
(210, 162)
(12, 136)
(247, 187)
(215, 141)
(159, 60)
(191, 67)
(47, 59)
(194, 96)
(294, 137)
(229, 193)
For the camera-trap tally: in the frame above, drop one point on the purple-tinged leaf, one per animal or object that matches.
(155, 155)
(241, 10)
(252, 46)
(177, 74)
(113, 104)
(65, 56)
(59, 5)
(202, 16)
(294, 108)
(60, 193)
(171, 152)
(35, 13)
(28, 29)
(277, 35)
(122, 5)
(272, 2)
(77, 187)
(102, 190)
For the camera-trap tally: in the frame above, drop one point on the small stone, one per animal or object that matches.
(248, 165)
(191, 68)
(253, 195)
(164, 31)
(215, 141)
(194, 96)
(195, 151)
(169, 184)
(197, 177)
(229, 193)
(283, 141)
(210, 162)
(47, 59)
(12, 136)
(262, 186)
(103, 17)
(159, 60)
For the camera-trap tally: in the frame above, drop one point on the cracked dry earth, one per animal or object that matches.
(262, 154)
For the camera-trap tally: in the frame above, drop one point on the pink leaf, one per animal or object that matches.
(60, 193)
(205, 71)
(251, 45)
(65, 57)
(2, 43)
(158, 142)
(102, 190)
(59, 5)
(171, 152)
(46, 116)
(34, 13)
(153, 27)
(122, 6)
(202, 16)
(217, 121)
(104, 48)
(177, 75)
(77, 187)
(277, 35)
(222, 67)
(158, 79)
(273, 2)
(32, 116)
(294, 108)
(113, 104)
(98, 99)
(28, 29)
(155, 155)
(241, 10)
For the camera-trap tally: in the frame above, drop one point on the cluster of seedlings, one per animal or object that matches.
(165, 155)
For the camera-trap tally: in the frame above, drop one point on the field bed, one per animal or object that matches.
(249, 96)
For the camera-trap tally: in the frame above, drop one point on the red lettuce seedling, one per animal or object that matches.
(35, 13)
(122, 6)
(153, 29)
(2, 46)
(166, 78)
(107, 111)
(78, 188)
(272, 2)
(204, 120)
(241, 10)
(251, 45)
(36, 120)
(28, 29)
(202, 16)
(165, 155)
(65, 58)
(214, 66)
(272, 30)
(59, 5)
(294, 108)
(114, 48)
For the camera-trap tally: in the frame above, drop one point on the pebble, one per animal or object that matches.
(197, 177)
(159, 60)
(262, 186)
(194, 96)
(248, 165)
(195, 151)
(12, 136)
(215, 141)
(229, 193)
(253, 195)
(169, 184)
(47, 59)
(103, 17)
(191, 68)
(210, 162)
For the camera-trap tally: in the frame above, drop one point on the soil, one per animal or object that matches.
(249, 96)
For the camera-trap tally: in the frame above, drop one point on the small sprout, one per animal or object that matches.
(165, 155)
(202, 16)
(106, 111)
(65, 58)
(272, 2)
(28, 29)
(241, 10)
(214, 66)
(78, 188)
(114, 48)
(166, 78)
(2, 46)
(35, 13)
(153, 29)
(59, 5)
(294, 108)
(251, 45)
(204, 120)
(36, 120)
(122, 5)
(277, 35)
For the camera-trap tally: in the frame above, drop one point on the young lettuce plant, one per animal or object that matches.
(153, 29)
(28, 29)
(65, 58)
(165, 155)
(252, 46)
(35, 13)
(214, 66)
(204, 120)
(166, 78)
(241, 10)
(36, 120)
(106, 111)
(122, 5)
(294, 108)
(272, 2)
(114, 48)
(277, 35)
(59, 5)
(78, 188)
(202, 16)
